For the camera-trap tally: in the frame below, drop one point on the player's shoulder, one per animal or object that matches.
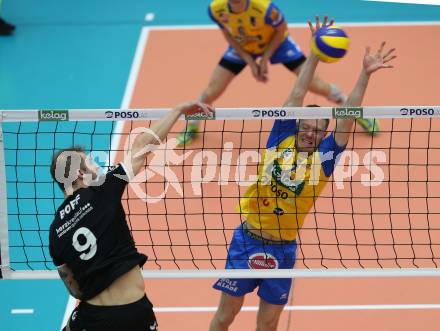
(217, 6)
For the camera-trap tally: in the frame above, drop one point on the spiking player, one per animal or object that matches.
(298, 161)
(90, 241)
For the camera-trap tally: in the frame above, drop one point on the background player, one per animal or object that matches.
(90, 241)
(257, 33)
(298, 161)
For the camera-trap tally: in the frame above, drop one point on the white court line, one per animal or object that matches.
(298, 25)
(128, 94)
(135, 66)
(302, 308)
(412, 2)
(129, 89)
(22, 311)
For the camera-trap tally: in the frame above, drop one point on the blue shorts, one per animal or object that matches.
(246, 252)
(288, 54)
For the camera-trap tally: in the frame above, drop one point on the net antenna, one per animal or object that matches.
(5, 271)
(176, 244)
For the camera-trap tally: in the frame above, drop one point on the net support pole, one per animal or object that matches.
(4, 241)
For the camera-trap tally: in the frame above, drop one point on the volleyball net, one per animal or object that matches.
(377, 216)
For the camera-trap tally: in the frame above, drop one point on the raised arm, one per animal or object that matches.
(135, 158)
(371, 63)
(299, 91)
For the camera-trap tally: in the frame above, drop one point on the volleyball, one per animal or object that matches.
(330, 43)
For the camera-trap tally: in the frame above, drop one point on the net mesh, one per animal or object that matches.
(379, 209)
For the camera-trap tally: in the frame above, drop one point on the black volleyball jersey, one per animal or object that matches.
(91, 236)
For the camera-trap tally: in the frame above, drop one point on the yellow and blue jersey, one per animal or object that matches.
(252, 28)
(288, 182)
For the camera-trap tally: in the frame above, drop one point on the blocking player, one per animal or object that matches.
(298, 161)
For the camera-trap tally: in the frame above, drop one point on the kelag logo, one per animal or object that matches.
(347, 113)
(53, 115)
(199, 117)
(269, 113)
(122, 114)
(417, 111)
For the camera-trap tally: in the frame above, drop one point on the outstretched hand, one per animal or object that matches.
(317, 26)
(194, 107)
(378, 61)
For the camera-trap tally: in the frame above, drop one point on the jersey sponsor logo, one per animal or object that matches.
(73, 220)
(53, 115)
(262, 261)
(283, 178)
(348, 112)
(278, 192)
(244, 38)
(287, 154)
(417, 111)
(69, 207)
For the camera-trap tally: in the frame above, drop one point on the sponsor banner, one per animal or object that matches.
(53, 115)
(269, 113)
(199, 117)
(121, 114)
(348, 112)
(419, 111)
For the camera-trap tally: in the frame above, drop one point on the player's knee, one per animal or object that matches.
(268, 323)
(224, 321)
(225, 317)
